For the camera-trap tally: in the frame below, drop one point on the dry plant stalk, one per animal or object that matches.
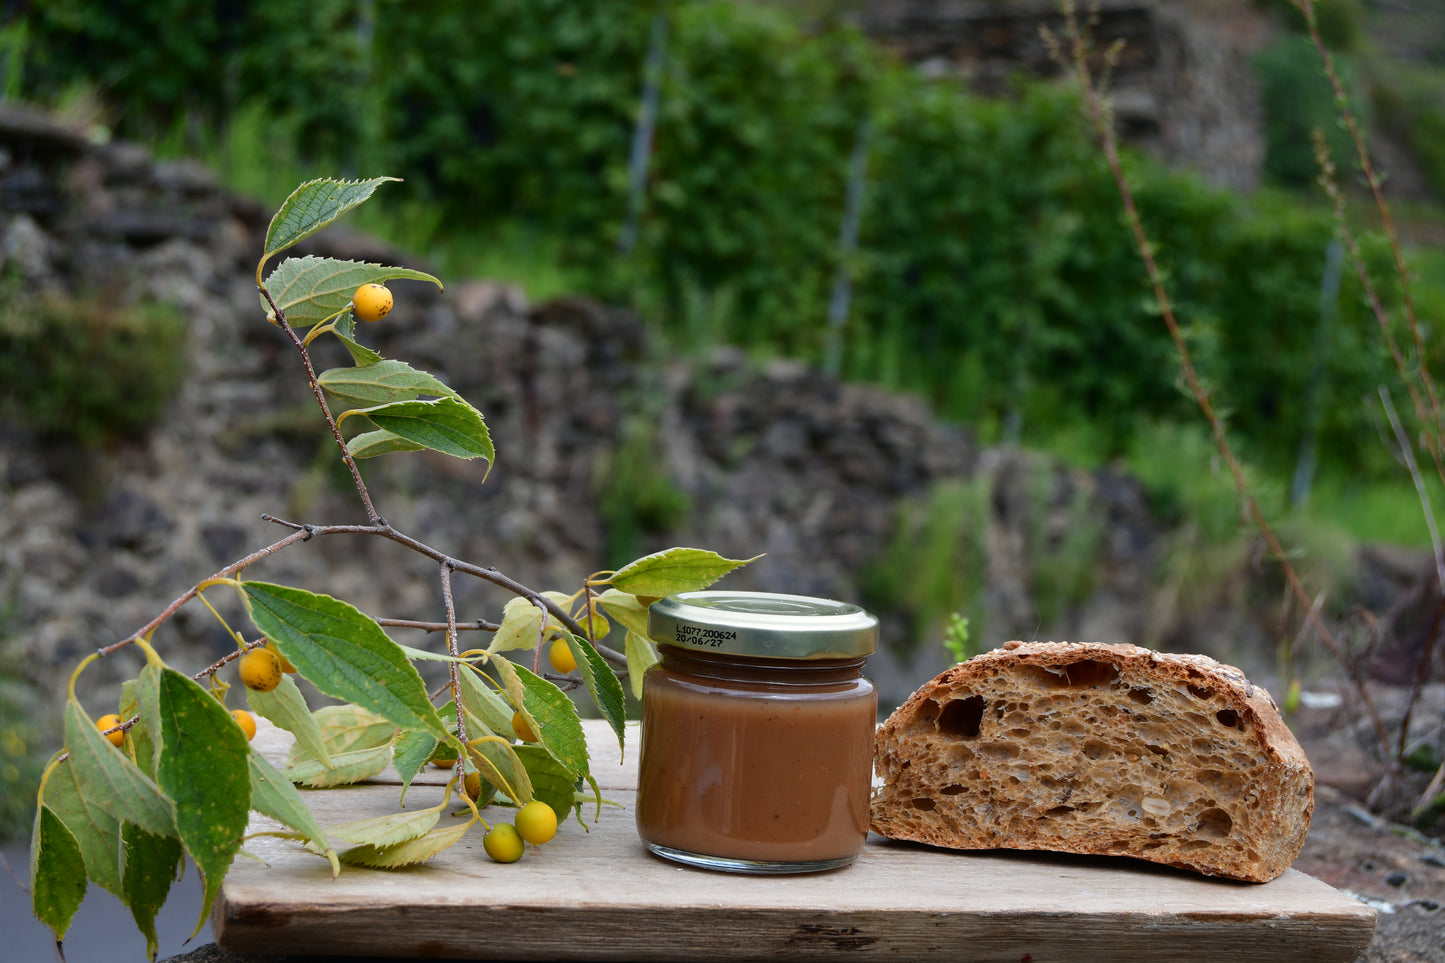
(1074, 57)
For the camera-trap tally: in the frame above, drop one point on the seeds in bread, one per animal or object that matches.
(1100, 749)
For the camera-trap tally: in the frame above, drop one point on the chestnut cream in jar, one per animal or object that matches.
(757, 732)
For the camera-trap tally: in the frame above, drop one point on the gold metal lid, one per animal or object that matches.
(765, 625)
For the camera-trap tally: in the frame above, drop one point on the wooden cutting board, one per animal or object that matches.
(596, 894)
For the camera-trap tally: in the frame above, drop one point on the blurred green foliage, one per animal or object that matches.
(90, 370)
(993, 274)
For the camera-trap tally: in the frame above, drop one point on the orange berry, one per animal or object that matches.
(260, 670)
(561, 657)
(522, 728)
(110, 721)
(371, 302)
(246, 721)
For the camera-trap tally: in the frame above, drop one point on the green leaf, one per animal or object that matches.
(138, 699)
(521, 626)
(343, 653)
(360, 353)
(348, 728)
(387, 830)
(496, 759)
(273, 795)
(152, 863)
(409, 853)
(484, 703)
(96, 831)
(346, 768)
(411, 752)
(641, 656)
(312, 206)
(377, 384)
(601, 682)
(311, 289)
(287, 708)
(201, 765)
(674, 570)
(448, 425)
(560, 728)
(625, 608)
(107, 778)
(369, 444)
(57, 872)
(551, 782)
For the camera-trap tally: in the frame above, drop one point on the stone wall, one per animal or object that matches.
(774, 459)
(1182, 87)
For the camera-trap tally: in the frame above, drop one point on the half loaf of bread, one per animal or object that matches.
(1102, 749)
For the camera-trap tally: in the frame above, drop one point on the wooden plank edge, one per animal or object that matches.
(639, 932)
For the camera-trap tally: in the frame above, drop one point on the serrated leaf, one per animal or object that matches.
(96, 831)
(484, 703)
(347, 728)
(561, 729)
(551, 782)
(57, 872)
(344, 653)
(311, 289)
(409, 853)
(626, 608)
(369, 444)
(152, 863)
(601, 682)
(364, 386)
(201, 764)
(496, 759)
(592, 621)
(448, 425)
(411, 752)
(521, 626)
(347, 768)
(387, 830)
(273, 795)
(107, 778)
(360, 353)
(312, 206)
(641, 655)
(674, 570)
(287, 708)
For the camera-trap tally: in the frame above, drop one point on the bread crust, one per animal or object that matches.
(1097, 748)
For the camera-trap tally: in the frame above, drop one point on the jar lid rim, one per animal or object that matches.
(770, 625)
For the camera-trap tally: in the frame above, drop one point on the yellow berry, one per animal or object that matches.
(260, 670)
(472, 786)
(444, 762)
(503, 843)
(560, 655)
(372, 302)
(246, 721)
(522, 728)
(110, 722)
(536, 822)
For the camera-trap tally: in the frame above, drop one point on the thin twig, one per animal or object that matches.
(1433, 425)
(481, 625)
(1407, 454)
(453, 667)
(316, 390)
(300, 535)
(487, 573)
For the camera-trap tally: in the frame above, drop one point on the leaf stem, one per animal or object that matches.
(320, 395)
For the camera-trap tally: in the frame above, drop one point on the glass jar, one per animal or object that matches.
(757, 732)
